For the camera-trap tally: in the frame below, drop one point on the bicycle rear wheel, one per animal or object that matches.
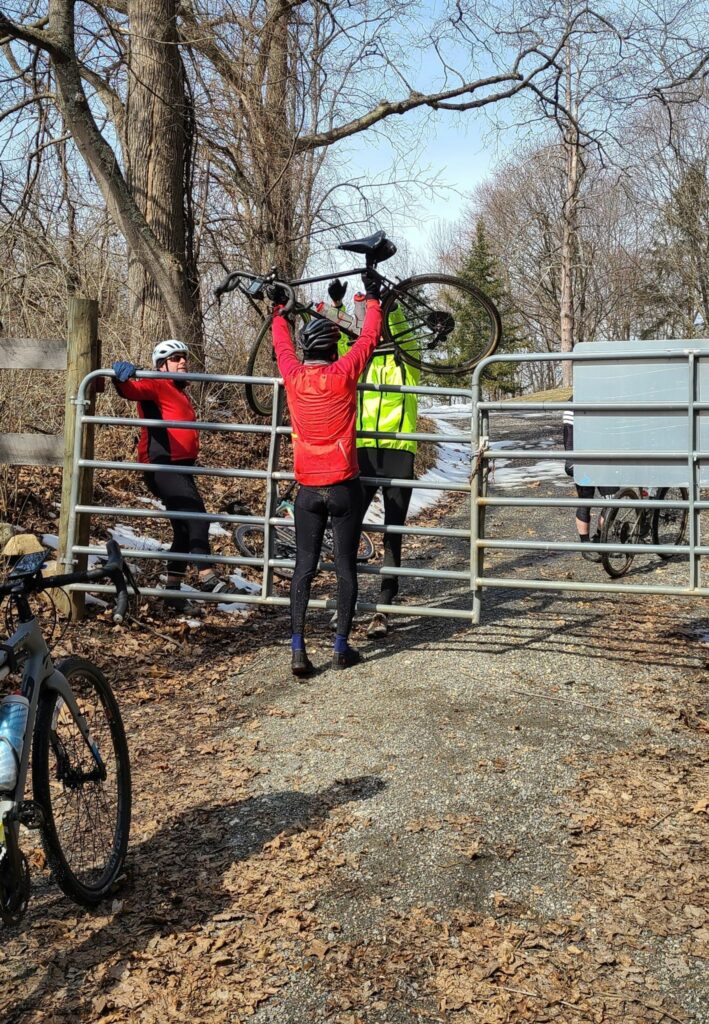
(365, 550)
(669, 526)
(249, 541)
(261, 363)
(621, 526)
(443, 324)
(86, 811)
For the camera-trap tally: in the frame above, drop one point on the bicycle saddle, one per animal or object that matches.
(377, 246)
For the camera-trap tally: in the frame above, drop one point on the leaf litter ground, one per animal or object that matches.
(496, 825)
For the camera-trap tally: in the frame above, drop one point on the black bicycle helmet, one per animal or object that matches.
(319, 336)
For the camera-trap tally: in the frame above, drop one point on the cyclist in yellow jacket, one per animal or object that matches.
(385, 412)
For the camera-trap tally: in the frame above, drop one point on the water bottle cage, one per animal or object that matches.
(12, 662)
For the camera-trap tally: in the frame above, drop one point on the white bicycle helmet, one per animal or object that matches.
(163, 349)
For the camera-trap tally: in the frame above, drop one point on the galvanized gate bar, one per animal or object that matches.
(486, 454)
(272, 475)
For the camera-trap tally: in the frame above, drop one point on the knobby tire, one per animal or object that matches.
(621, 525)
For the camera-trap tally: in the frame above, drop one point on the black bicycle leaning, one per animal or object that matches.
(439, 323)
(633, 526)
(67, 714)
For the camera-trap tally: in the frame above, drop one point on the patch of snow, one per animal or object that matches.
(217, 530)
(153, 502)
(452, 465)
(510, 474)
(126, 536)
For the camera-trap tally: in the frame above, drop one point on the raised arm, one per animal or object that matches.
(283, 346)
(354, 362)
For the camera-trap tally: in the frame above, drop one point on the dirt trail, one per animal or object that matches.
(505, 823)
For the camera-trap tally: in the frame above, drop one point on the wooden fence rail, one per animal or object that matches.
(78, 355)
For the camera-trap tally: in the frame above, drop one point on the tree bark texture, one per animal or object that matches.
(158, 155)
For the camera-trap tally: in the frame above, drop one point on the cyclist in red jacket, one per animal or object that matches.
(322, 399)
(176, 446)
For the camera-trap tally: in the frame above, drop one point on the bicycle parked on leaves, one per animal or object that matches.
(444, 326)
(249, 539)
(81, 785)
(634, 526)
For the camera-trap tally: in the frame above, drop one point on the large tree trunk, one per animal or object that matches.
(274, 227)
(158, 157)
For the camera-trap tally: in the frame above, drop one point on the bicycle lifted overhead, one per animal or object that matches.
(443, 324)
(67, 714)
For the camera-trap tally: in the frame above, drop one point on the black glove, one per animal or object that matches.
(277, 294)
(336, 290)
(372, 284)
(123, 370)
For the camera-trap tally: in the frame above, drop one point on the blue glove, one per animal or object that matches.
(123, 370)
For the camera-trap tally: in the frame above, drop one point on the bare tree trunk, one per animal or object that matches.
(277, 167)
(158, 155)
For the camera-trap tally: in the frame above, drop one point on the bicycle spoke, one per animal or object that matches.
(442, 324)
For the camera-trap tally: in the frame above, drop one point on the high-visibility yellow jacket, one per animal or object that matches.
(387, 411)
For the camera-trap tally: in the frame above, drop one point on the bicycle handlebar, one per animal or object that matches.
(113, 569)
(256, 287)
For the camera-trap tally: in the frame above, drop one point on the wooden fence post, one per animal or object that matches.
(83, 356)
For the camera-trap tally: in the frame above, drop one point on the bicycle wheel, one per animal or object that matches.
(249, 541)
(86, 816)
(443, 324)
(669, 526)
(261, 363)
(365, 550)
(620, 526)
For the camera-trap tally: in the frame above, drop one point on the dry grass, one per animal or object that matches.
(552, 395)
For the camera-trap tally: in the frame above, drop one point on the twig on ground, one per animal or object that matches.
(144, 625)
(564, 700)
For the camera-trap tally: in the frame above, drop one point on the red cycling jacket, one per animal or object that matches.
(322, 399)
(162, 400)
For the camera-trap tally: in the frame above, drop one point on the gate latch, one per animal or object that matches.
(483, 447)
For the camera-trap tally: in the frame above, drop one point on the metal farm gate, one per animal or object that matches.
(272, 474)
(685, 412)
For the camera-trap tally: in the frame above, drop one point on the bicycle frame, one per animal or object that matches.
(28, 647)
(27, 651)
(27, 644)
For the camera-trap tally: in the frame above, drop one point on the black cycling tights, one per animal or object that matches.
(583, 512)
(344, 504)
(179, 493)
(399, 465)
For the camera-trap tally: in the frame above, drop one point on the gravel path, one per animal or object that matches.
(489, 726)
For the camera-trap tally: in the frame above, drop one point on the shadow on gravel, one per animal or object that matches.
(545, 622)
(177, 883)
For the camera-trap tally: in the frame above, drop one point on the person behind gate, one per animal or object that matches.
(172, 446)
(391, 412)
(322, 400)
